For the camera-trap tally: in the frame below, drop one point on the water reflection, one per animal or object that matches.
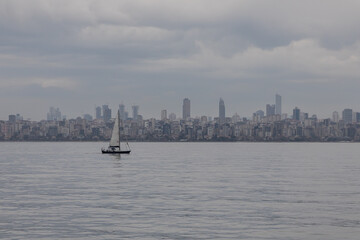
(117, 156)
(117, 162)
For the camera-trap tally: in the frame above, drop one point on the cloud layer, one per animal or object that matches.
(154, 53)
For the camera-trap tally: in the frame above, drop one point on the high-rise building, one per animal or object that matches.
(122, 111)
(88, 117)
(106, 113)
(296, 113)
(357, 117)
(236, 118)
(135, 111)
(304, 116)
(12, 118)
(18, 117)
(172, 116)
(98, 112)
(54, 114)
(163, 115)
(186, 108)
(260, 113)
(353, 118)
(270, 110)
(335, 116)
(277, 104)
(347, 115)
(221, 111)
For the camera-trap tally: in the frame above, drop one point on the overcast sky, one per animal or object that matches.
(153, 53)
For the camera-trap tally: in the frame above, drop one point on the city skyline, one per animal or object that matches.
(211, 110)
(272, 127)
(154, 53)
(105, 112)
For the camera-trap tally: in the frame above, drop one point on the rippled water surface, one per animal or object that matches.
(180, 191)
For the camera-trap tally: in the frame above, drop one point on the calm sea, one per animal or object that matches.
(180, 191)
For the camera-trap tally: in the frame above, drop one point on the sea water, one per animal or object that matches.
(180, 191)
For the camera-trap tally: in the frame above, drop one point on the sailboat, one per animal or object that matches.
(114, 146)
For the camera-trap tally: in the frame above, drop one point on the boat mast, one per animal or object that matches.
(118, 116)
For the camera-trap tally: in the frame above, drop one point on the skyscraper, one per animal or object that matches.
(259, 113)
(270, 110)
(12, 118)
(122, 111)
(335, 116)
(135, 110)
(186, 108)
(172, 116)
(163, 115)
(106, 113)
(347, 115)
(54, 114)
(357, 117)
(236, 118)
(277, 104)
(221, 111)
(296, 113)
(98, 112)
(88, 117)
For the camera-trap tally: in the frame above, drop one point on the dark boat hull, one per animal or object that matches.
(116, 152)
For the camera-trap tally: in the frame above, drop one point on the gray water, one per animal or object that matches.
(180, 191)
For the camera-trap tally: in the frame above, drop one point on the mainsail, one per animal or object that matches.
(115, 140)
(115, 137)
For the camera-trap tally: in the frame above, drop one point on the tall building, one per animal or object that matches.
(172, 116)
(236, 118)
(347, 115)
(335, 116)
(353, 118)
(270, 110)
(221, 111)
(12, 118)
(135, 111)
(304, 116)
(186, 108)
(18, 117)
(122, 111)
(163, 115)
(277, 104)
(88, 117)
(259, 113)
(106, 113)
(98, 112)
(357, 117)
(54, 114)
(296, 113)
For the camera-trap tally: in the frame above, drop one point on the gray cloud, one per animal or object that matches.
(75, 54)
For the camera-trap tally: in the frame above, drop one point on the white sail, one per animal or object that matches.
(115, 137)
(114, 146)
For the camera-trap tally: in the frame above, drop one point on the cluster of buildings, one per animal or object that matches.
(272, 125)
